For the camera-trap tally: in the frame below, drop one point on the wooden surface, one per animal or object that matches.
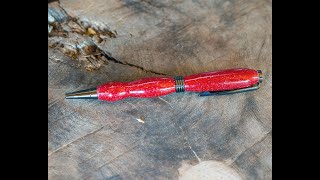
(175, 136)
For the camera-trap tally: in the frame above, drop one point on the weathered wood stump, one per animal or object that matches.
(179, 135)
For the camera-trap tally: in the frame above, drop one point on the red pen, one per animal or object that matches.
(207, 84)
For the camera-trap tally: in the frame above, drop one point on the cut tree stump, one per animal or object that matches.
(181, 135)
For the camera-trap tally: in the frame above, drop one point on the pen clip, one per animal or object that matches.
(216, 93)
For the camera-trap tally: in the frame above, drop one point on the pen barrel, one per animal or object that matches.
(143, 88)
(159, 86)
(221, 80)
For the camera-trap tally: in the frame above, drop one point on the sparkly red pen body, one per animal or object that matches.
(143, 88)
(221, 80)
(159, 86)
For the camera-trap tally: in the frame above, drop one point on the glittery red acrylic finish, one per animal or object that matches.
(221, 80)
(159, 86)
(143, 88)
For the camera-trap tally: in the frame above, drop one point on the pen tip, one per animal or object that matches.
(83, 94)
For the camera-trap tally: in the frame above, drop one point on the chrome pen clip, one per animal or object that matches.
(252, 88)
(216, 93)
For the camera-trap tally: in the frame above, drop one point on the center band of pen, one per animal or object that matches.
(179, 84)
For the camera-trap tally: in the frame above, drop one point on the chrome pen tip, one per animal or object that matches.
(83, 94)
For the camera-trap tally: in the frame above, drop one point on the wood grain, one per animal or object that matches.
(89, 139)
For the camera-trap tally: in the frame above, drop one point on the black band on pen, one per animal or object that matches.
(179, 83)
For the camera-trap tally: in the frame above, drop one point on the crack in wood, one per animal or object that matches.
(186, 139)
(68, 144)
(261, 47)
(231, 161)
(165, 101)
(117, 157)
(111, 58)
(88, 52)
